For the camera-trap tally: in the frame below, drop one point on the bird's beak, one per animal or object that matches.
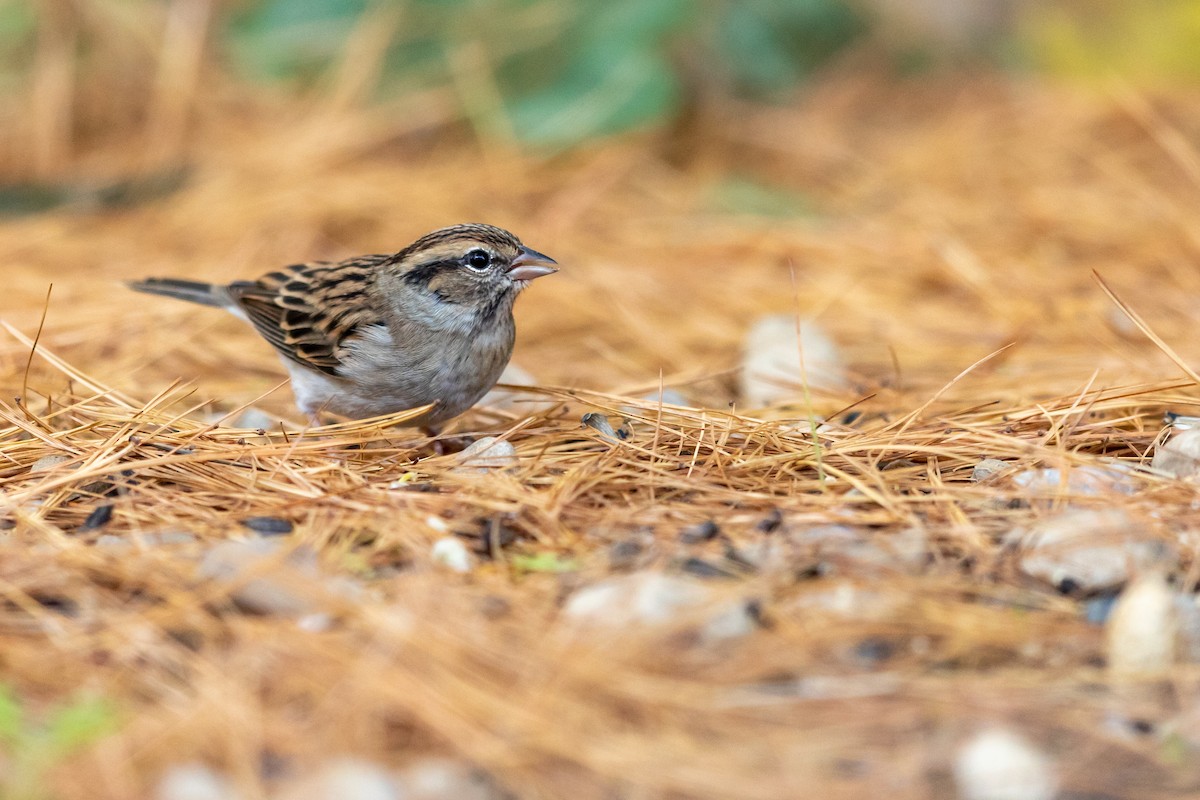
(531, 264)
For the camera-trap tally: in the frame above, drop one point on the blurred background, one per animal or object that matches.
(732, 157)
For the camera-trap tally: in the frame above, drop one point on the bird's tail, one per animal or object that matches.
(206, 294)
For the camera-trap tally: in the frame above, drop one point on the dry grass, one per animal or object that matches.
(950, 221)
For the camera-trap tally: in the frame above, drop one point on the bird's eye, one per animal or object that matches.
(478, 259)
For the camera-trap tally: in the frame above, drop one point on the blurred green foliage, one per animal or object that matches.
(30, 748)
(565, 71)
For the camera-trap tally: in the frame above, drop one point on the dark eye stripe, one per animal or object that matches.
(422, 274)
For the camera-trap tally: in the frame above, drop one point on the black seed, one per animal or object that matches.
(268, 526)
(1068, 586)
(704, 532)
(99, 517)
(874, 650)
(771, 522)
(63, 605)
(600, 424)
(704, 569)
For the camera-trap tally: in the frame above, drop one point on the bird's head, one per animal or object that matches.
(472, 269)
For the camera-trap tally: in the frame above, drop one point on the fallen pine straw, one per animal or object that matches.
(952, 259)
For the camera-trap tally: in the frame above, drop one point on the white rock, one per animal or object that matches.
(345, 779)
(828, 547)
(1142, 629)
(47, 463)
(1180, 455)
(445, 779)
(486, 454)
(654, 598)
(1094, 549)
(1085, 480)
(771, 362)
(263, 580)
(998, 764)
(987, 468)
(194, 782)
(450, 552)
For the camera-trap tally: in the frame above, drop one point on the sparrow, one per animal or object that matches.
(377, 334)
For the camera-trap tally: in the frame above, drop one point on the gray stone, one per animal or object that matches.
(648, 598)
(831, 547)
(987, 468)
(263, 577)
(772, 370)
(1086, 480)
(1093, 550)
(486, 454)
(446, 779)
(1180, 455)
(194, 782)
(345, 779)
(47, 463)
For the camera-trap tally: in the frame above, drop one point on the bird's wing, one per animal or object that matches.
(308, 311)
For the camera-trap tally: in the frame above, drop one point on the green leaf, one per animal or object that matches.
(596, 100)
(80, 724)
(292, 38)
(544, 562)
(770, 45)
(609, 73)
(12, 720)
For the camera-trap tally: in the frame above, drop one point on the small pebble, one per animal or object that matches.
(1087, 550)
(445, 779)
(999, 764)
(771, 363)
(1180, 455)
(987, 468)
(1141, 632)
(1089, 481)
(269, 526)
(194, 782)
(654, 598)
(47, 463)
(450, 552)
(487, 454)
(345, 779)
(279, 586)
